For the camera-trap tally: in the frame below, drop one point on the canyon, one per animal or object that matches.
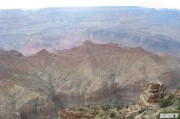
(54, 29)
(56, 59)
(40, 85)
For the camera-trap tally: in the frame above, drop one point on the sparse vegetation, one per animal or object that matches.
(127, 106)
(112, 115)
(143, 117)
(119, 107)
(165, 103)
(94, 113)
(81, 109)
(106, 107)
(141, 111)
(178, 108)
(88, 105)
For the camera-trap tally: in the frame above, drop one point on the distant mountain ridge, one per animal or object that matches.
(29, 31)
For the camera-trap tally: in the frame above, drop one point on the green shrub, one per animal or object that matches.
(112, 115)
(106, 107)
(81, 109)
(119, 107)
(165, 103)
(178, 108)
(127, 106)
(141, 111)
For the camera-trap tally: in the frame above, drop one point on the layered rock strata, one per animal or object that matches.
(153, 93)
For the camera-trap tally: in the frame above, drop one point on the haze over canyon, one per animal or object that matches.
(54, 29)
(55, 58)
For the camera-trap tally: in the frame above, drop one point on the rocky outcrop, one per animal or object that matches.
(137, 110)
(79, 113)
(154, 93)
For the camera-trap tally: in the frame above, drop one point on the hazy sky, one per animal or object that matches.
(33, 4)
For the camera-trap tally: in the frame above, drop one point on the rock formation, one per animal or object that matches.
(154, 93)
(146, 108)
(79, 113)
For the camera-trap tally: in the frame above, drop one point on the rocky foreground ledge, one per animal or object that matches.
(155, 101)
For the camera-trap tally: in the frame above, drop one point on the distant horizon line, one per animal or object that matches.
(87, 7)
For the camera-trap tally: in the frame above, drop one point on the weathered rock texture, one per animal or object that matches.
(154, 93)
(133, 111)
(40, 85)
(79, 113)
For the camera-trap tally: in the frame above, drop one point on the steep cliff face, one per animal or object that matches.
(38, 108)
(40, 85)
